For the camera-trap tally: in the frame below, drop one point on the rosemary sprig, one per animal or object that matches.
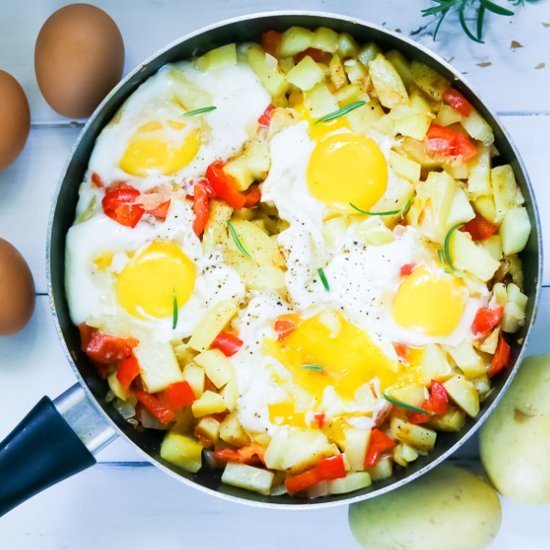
(237, 241)
(313, 366)
(401, 210)
(175, 309)
(406, 406)
(443, 7)
(323, 278)
(447, 244)
(200, 111)
(341, 112)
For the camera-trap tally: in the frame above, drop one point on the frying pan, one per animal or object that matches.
(59, 438)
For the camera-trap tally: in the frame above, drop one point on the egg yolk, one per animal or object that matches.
(160, 149)
(347, 168)
(430, 302)
(153, 282)
(319, 356)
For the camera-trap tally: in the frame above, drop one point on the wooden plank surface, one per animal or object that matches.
(123, 501)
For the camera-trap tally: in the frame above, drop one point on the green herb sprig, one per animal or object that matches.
(237, 241)
(406, 406)
(175, 309)
(445, 254)
(323, 278)
(341, 112)
(200, 111)
(400, 211)
(313, 367)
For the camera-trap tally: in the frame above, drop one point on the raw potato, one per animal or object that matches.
(449, 508)
(515, 440)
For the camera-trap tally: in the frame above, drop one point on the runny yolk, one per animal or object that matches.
(347, 168)
(157, 148)
(430, 302)
(153, 282)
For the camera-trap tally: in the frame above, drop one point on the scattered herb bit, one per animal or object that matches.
(323, 278)
(313, 366)
(401, 210)
(200, 111)
(341, 112)
(406, 406)
(447, 244)
(175, 309)
(515, 45)
(484, 64)
(237, 241)
(546, 25)
(540, 66)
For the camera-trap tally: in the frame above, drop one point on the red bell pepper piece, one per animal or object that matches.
(458, 102)
(161, 211)
(379, 442)
(155, 407)
(250, 454)
(479, 228)
(120, 205)
(329, 468)
(420, 418)
(97, 181)
(224, 186)
(201, 206)
(320, 56)
(127, 372)
(319, 419)
(104, 348)
(445, 142)
(283, 327)
(438, 403)
(265, 118)
(407, 269)
(500, 358)
(271, 42)
(227, 343)
(463, 147)
(486, 319)
(402, 350)
(253, 196)
(177, 395)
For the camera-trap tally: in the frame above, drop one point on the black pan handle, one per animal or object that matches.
(53, 442)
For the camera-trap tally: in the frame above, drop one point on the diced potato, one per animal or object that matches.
(275, 450)
(401, 65)
(363, 118)
(471, 257)
(215, 231)
(352, 482)
(482, 385)
(218, 58)
(403, 454)
(452, 421)
(419, 104)
(516, 270)
(208, 403)
(248, 477)
(485, 205)
(428, 80)
(464, 394)
(194, 376)
(493, 245)
(478, 128)
(457, 169)
(447, 116)
(270, 76)
(324, 39)
(489, 345)
(514, 310)
(479, 180)
(216, 366)
(416, 151)
(435, 365)
(441, 189)
(305, 74)
(347, 46)
(232, 431)
(408, 122)
(356, 444)
(258, 158)
(158, 365)
(320, 101)
(334, 228)
(254, 276)
(505, 190)
(295, 40)
(374, 232)
(404, 167)
(355, 70)
(230, 394)
(238, 168)
(212, 323)
(368, 52)
(304, 449)
(388, 84)
(116, 388)
(412, 394)
(467, 359)
(515, 230)
(461, 209)
(337, 73)
(382, 470)
(262, 249)
(186, 92)
(417, 436)
(182, 450)
(209, 428)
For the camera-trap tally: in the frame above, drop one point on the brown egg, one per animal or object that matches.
(15, 119)
(78, 58)
(16, 290)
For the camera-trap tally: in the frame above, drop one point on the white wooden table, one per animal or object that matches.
(124, 502)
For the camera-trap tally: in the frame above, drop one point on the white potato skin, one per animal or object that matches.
(448, 508)
(515, 440)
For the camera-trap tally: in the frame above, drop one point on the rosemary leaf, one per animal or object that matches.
(401, 210)
(406, 406)
(237, 241)
(200, 111)
(341, 112)
(323, 278)
(447, 244)
(313, 366)
(495, 8)
(175, 309)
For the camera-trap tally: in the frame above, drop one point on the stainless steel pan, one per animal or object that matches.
(58, 439)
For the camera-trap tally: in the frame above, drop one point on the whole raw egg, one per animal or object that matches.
(78, 58)
(15, 119)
